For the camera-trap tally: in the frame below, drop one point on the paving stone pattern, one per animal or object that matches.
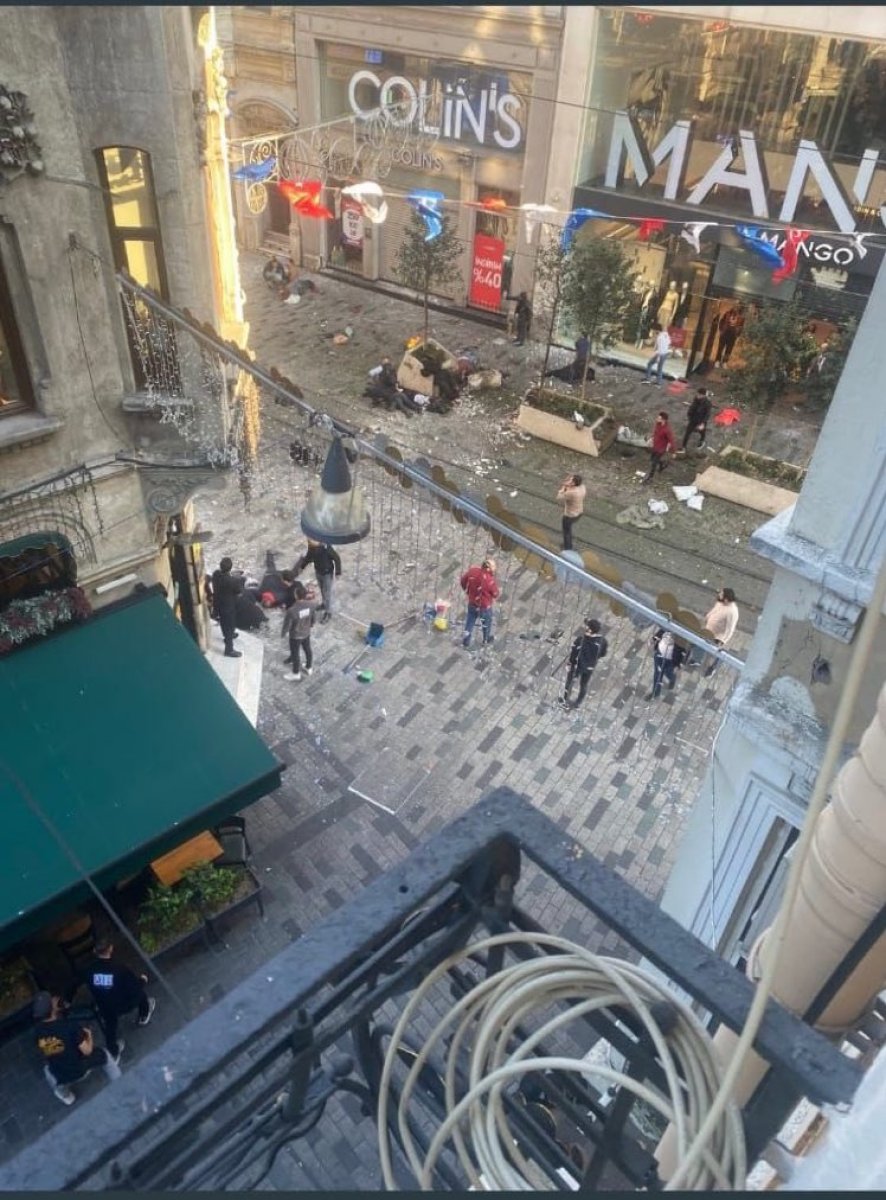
(619, 774)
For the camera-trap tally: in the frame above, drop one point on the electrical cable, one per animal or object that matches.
(776, 935)
(484, 1022)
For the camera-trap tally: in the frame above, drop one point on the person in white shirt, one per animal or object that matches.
(721, 621)
(662, 349)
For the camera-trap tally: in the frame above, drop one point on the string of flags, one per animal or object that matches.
(304, 196)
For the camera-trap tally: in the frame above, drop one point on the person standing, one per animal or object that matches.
(327, 565)
(480, 586)
(667, 658)
(697, 417)
(226, 587)
(116, 991)
(571, 498)
(588, 648)
(298, 622)
(523, 318)
(730, 327)
(662, 349)
(661, 442)
(68, 1048)
(721, 621)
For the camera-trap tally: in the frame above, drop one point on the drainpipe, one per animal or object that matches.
(842, 889)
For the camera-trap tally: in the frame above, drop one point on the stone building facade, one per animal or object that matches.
(117, 169)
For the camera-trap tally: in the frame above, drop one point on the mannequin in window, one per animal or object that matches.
(683, 306)
(668, 306)
(645, 317)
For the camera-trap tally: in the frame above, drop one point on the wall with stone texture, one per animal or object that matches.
(98, 76)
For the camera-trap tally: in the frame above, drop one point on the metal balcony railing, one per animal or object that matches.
(216, 1105)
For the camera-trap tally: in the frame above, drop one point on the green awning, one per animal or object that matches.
(118, 742)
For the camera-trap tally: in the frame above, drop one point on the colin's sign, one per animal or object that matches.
(629, 145)
(487, 117)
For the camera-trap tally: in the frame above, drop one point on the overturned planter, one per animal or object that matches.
(738, 480)
(595, 436)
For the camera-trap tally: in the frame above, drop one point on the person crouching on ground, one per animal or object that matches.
(298, 622)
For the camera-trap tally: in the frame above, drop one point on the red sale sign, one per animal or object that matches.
(489, 253)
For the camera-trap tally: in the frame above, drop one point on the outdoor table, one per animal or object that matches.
(170, 867)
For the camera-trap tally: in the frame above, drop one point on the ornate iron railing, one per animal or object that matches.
(216, 1105)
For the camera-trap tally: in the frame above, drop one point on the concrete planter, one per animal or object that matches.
(746, 490)
(562, 432)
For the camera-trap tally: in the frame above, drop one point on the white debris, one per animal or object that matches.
(659, 507)
(685, 493)
(695, 502)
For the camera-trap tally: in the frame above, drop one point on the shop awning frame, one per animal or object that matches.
(119, 742)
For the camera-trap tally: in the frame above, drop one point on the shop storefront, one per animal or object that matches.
(704, 125)
(449, 127)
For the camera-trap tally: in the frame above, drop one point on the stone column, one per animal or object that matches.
(842, 888)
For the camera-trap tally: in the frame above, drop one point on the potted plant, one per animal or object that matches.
(168, 918)
(222, 890)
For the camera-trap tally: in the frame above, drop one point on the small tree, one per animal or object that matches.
(421, 264)
(827, 366)
(550, 268)
(597, 288)
(776, 350)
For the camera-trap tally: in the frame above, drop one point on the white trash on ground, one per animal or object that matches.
(659, 507)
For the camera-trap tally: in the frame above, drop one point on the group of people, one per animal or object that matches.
(282, 277)
(239, 603)
(384, 388)
(481, 589)
(63, 1034)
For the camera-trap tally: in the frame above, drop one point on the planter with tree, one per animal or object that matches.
(424, 265)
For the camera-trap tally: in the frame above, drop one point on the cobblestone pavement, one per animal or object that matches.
(373, 768)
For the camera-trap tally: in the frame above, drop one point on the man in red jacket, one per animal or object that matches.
(663, 440)
(479, 584)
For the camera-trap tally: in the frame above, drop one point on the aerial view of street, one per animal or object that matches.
(441, 597)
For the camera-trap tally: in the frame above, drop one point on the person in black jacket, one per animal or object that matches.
(116, 990)
(67, 1047)
(588, 648)
(327, 565)
(697, 417)
(226, 587)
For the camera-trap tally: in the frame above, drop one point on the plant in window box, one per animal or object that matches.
(221, 889)
(23, 620)
(167, 916)
(16, 986)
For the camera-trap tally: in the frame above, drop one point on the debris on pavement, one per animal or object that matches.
(634, 515)
(659, 507)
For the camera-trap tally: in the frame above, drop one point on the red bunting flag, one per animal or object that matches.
(649, 227)
(305, 198)
(789, 253)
